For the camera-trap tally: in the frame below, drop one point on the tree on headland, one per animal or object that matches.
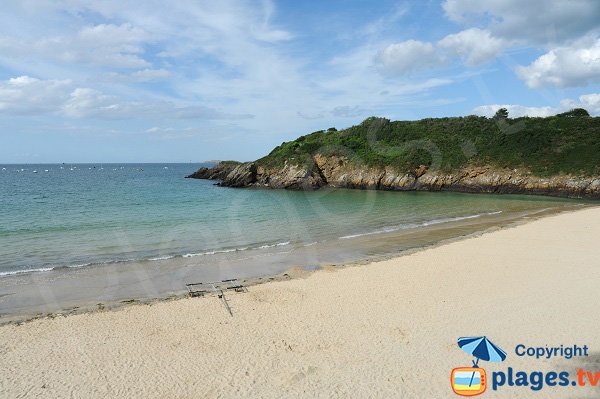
(502, 113)
(575, 113)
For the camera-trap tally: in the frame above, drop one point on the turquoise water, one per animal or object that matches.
(80, 215)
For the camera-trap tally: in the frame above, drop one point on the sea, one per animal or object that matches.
(74, 216)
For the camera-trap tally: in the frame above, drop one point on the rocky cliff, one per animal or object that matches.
(217, 172)
(339, 171)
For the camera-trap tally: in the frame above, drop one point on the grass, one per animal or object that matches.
(561, 144)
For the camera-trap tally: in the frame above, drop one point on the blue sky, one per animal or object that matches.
(156, 81)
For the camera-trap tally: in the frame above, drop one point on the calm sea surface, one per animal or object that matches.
(71, 216)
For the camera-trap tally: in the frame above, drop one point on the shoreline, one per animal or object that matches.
(286, 274)
(378, 330)
(152, 255)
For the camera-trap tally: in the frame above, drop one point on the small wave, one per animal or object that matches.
(279, 244)
(416, 225)
(223, 251)
(157, 258)
(219, 251)
(386, 230)
(163, 257)
(12, 273)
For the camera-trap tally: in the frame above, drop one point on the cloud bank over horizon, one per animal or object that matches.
(129, 81)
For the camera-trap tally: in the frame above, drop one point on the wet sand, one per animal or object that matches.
(386, 329)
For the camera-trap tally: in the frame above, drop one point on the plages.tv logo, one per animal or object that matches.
(471, 381)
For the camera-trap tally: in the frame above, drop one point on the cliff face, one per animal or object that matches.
(339, 171)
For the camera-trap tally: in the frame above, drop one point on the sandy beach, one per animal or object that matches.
(387, 329)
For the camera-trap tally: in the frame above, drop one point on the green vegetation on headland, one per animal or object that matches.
(558, 155)
(567, 143)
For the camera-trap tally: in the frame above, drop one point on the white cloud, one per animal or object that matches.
(474, 46)
(514, 110)
(590, 102)
(233, 55)
(232, 32)
(30, 96)
(119, 46)
(230, 54)
(144, 75)
(572, 66)
(532, 21)
(380, 25)
(85, 102)
(499, 24)
(107, 44)
(272, 35)
(417, 87)
(25, 95)
(568, 30)
(89, 103)
(307, 116)
(150, 74)
(410, 55)
(346, 111)
(178, 133)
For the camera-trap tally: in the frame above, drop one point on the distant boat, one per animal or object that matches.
(46, 170)
(166, 167)
(3, 168)
(35, 171)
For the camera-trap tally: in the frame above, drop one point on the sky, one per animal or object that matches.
(188, 81)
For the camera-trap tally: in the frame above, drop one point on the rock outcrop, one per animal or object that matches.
(242, 175)
(217, 172)
(339, 171)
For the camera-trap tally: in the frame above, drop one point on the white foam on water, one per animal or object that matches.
(163, 257)
(223, 251)
(279, 244)
(12, 273)
(416, 225)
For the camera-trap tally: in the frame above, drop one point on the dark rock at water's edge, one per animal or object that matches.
(242, 175)
(339, 171)
(217, 172)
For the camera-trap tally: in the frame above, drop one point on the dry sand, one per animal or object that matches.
(387, 329)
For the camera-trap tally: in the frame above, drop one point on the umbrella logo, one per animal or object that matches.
(471, 381)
